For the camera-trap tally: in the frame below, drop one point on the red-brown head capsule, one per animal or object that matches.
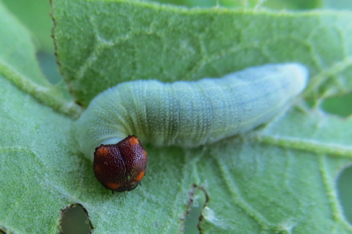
(120, 167)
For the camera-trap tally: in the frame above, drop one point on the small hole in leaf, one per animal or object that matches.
(75, 220)
(338, 105)
(195, 207)
(345, 192)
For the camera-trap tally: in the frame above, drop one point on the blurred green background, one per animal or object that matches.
(35, 15)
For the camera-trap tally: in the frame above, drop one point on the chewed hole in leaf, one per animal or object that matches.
(197, 200)
(75, 219)
(345, 192)
(338, 105)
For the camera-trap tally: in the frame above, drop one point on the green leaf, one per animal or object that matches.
(270, 189)
(34, 138)
(19, 65)
(17, 52)
(34, 14)
(279, 178)
(295, 5)
(35, 163)
(211, 3)
(151, 41)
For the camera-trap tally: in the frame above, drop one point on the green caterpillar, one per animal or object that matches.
(189, 114)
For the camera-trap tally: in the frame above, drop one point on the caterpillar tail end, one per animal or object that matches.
(299, 73)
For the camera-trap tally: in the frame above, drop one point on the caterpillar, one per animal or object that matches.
(187, 114)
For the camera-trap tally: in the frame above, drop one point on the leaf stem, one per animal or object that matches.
(41, 93)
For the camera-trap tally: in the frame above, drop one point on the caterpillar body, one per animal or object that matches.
(189, 114)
